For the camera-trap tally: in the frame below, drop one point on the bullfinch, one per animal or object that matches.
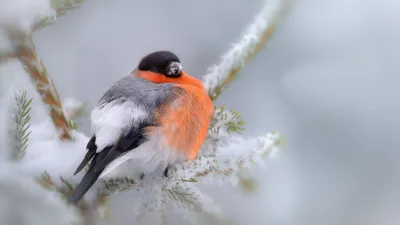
(156, 116)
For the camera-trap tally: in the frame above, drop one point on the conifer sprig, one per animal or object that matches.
(19, 125)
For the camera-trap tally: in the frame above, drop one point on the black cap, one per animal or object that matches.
(162, 62)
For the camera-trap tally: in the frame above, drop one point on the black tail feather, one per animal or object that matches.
(112, 154)
(100, 160)
(86, 183)
(89, 179)
(91, 151)
(89, 155)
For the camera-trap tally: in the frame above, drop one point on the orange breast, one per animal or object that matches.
(185, 122)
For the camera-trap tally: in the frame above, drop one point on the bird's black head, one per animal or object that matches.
(161, 62)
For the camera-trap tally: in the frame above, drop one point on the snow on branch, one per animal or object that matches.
(29, 204)
(19, 125)
(227, 122)
(229, 159)
(224, 123)
(154, 195)
(17, 19)
(254, 37)
(47, 90)
(61, 7)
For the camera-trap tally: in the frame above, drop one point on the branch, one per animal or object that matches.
(17, 19)
(226, 122)
(47, 182)
(190, 198)
(46, 88)
(19, 125)
(112, 186)
(227, 162)
(223, 125)
(65, 189)
(260, 30)
(60, 10)
(28, 203)
(23, 48)
(229, 159)
(5, 56)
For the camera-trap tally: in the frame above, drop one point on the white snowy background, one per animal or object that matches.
(329, 80)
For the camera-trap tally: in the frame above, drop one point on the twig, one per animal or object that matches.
(7, 56)
(260, 30)
(60, 10)
(46, 88)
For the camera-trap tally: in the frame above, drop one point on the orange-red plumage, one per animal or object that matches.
(185, 121)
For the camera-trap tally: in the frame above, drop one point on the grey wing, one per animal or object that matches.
(143, 93)
(129, 103)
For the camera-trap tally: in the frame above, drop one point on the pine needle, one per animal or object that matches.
(230, 121)
(47, 182)
(19, 125)
(191, 199)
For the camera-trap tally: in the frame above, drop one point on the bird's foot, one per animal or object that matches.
(166, 171)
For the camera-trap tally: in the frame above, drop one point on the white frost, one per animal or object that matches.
(24, 202)
(18, 17)
(72, 107)
(269, 15)
(46, 152)
(230, 157)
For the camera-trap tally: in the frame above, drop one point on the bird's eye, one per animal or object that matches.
(174, 69)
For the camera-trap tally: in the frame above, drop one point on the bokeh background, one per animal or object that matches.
(328, 79)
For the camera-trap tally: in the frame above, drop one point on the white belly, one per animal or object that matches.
(113, 120)
(150, 158)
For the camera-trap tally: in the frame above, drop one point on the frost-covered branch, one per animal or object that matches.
(254, 37)
(19, 125)
(224, 121)
(47, 182)
(229, 159)
(47, 90)
(18, 18)
(64, 189)
(27, 203)
(61, 7)
(179, 191)
(112, 186)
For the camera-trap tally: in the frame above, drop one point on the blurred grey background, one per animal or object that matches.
(328, 80)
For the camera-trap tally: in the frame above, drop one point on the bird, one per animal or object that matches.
(154, 117)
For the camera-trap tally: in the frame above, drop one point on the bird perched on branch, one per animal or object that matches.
(154, 117)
